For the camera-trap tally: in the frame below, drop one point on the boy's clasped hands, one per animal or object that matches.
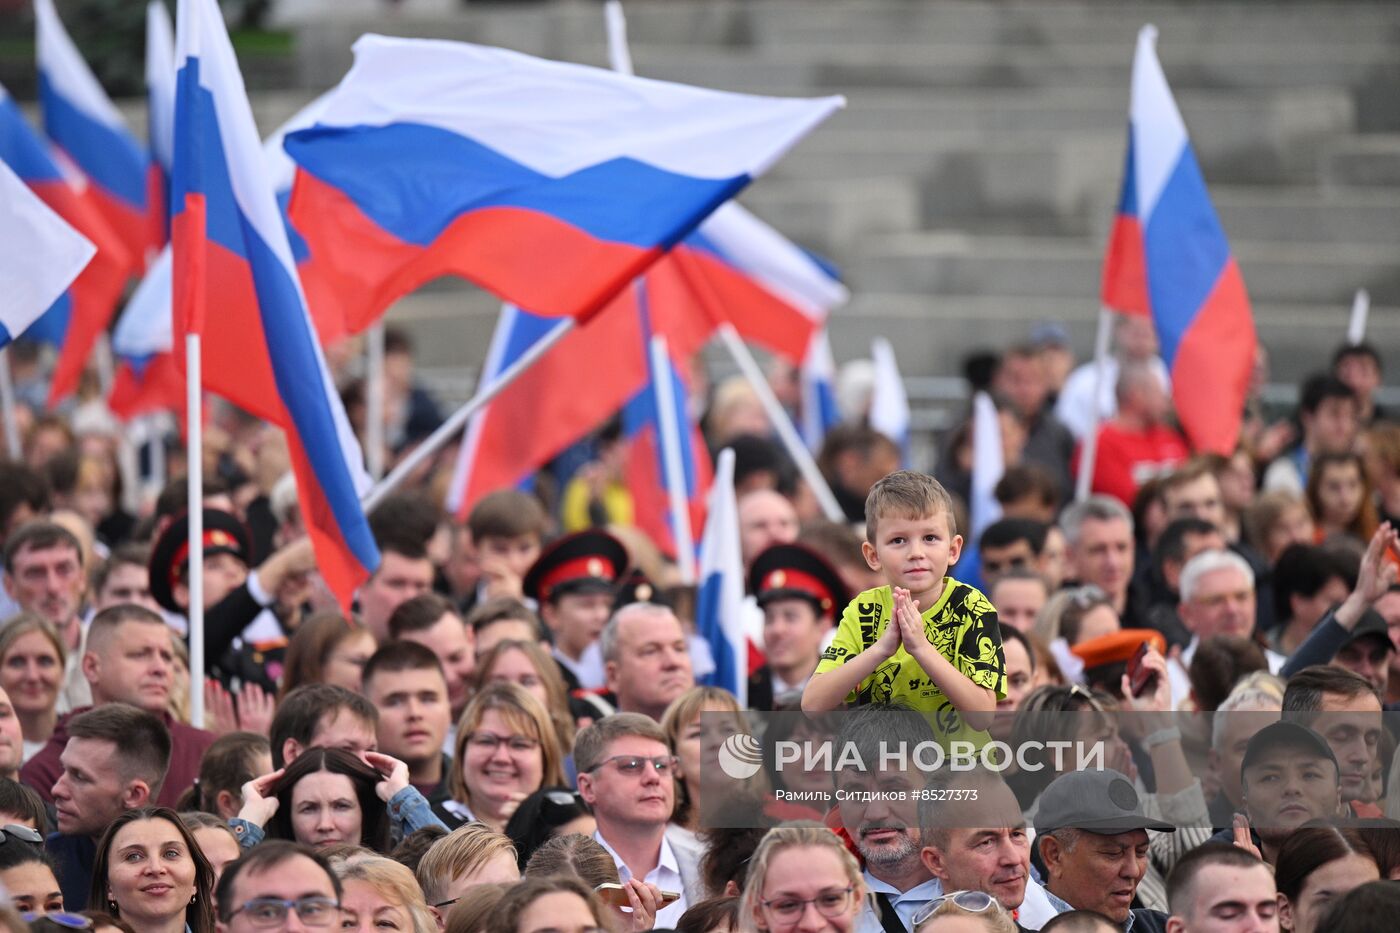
(907, 627)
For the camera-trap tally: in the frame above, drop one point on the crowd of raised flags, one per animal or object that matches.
(596, 204)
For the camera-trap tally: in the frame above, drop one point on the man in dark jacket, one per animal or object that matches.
(115, 760)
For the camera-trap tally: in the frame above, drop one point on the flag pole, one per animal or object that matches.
(449, 428)
(1091, 440)
(671, 441)
(374, 400)
(7, 400)
(1360, 309)
(194, 472)
(781, 422)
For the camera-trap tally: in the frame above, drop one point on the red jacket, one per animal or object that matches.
(187, 746)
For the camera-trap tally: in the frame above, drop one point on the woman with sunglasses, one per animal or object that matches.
(801, 878)
(964, 912)
(27, 874)
(546, 814)
(150, 872)
(506, 749)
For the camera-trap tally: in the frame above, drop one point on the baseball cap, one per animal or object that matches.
(1371, 625)
(1103, 802)
(1285, 734)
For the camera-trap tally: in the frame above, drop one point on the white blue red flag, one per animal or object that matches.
(817, 381)
(719, 606)
(84, 123)
(147, 376)
(235, 282)
(1168, 259)
(653, 438)
(889, 402)
(553, 185)
(82, 312)
(160, 92)
(40, 255)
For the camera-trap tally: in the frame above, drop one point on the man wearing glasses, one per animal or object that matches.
(626, 773)
(278, 887)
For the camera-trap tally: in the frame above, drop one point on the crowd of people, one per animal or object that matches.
(512, 731)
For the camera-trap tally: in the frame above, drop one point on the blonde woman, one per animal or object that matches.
(32, 661)
(526, 664)
(695, 741)
(963, 911)
(800, 870)
(507, 748)
(380, 894)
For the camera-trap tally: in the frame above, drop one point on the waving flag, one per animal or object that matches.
(817, 381)
(659, 427)
(40, 255)
(1168, 259)
(160, 95)
(988, 465)
(148, 377)
(719, 608)
(889, 404)
(82, 312)
(553, 185)
(84, 123)
(235, 282)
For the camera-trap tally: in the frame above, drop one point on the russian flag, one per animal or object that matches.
(889, 403)
(236, 283)
(744, 272)
(1168, 258)
(160, 93)
(84, 123)
(81, 313)
(148, 378)
(553, 185)
(658, 425)
(719, 608)
(40, 255)
(817, 382)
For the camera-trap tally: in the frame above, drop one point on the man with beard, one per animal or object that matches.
(879, 811)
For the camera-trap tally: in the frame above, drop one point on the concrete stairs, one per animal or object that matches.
(967, 189)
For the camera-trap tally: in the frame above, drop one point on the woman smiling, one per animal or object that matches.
(150, 873)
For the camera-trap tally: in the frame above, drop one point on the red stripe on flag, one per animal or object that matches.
(564, 271)
(1221, 341)
(1125, 269)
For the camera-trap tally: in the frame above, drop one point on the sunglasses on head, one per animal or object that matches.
(21, 833)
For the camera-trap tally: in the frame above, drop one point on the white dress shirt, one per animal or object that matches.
(666, 876)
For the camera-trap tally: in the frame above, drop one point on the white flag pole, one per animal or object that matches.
(781, 422)
(1091, 439)
(1360, 309)
(375, 409)
(449, 428)
(671, 440)
(7, 400)
(619, 55)
(194, 472)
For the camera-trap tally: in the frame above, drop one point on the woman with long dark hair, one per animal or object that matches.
(150, 873)
(328, 797)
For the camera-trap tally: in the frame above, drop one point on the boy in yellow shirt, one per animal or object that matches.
(924, 640)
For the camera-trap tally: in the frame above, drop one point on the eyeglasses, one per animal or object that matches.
(62, 918)
(831, 904)
(633, 765)
(21, 833)
(269, 912)
(974, 902)
(489, 742)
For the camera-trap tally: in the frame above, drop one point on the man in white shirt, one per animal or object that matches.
(626, 774)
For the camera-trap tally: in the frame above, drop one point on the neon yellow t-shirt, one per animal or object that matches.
(962, 625)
